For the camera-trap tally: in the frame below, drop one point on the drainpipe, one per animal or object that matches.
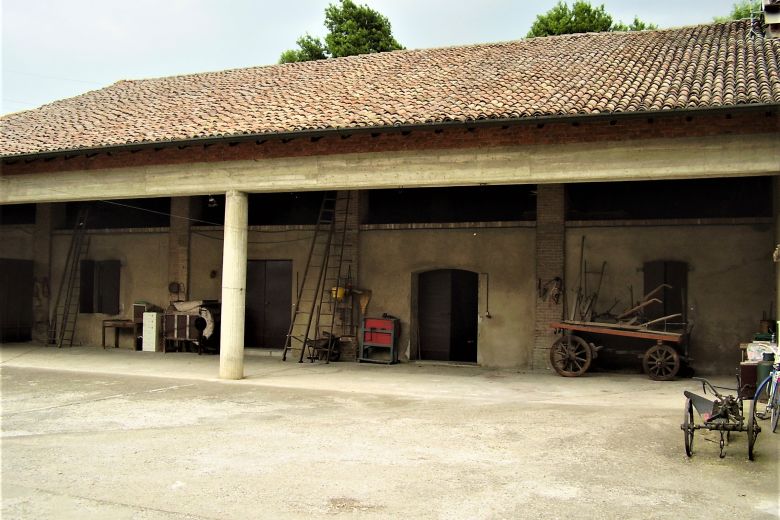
(234, 259)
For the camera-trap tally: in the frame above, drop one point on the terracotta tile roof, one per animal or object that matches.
(693, 67)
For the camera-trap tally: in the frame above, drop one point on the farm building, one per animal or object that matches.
(480, 188)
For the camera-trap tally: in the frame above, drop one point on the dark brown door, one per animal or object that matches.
(268, 303)
(463, 342)
(447, 315)
(435, 314)
(16, 300)
(672, 298)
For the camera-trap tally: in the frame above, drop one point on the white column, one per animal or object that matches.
(231, 353)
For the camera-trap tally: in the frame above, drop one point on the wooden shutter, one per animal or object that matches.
(87, 287)
(107, 282)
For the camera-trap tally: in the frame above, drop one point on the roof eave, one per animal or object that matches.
(386, 128)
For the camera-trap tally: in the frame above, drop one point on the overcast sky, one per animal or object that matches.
(53, 49)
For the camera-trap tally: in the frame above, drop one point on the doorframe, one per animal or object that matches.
(414, 306)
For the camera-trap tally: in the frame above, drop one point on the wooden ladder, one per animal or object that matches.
(314, 323)
(62, 328)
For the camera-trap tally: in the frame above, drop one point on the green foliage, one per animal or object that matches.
(352, 29)
(309, 48)
(636, 25)
(357, 29)
(579, 18)
(740, 10)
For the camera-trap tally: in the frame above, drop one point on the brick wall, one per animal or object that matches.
(525, 133)
(550, 261)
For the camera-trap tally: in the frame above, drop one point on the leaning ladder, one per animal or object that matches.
(342, 281)
(309, 288)
(62, 328)
(316, 306)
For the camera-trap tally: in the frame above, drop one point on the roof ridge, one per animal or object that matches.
(423, 49)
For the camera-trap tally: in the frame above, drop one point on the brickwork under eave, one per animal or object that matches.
(620, 128)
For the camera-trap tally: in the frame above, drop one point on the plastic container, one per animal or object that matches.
(764, 367)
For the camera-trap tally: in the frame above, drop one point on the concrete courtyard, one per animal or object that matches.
(88, 433)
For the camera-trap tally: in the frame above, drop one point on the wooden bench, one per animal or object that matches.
(117, 325)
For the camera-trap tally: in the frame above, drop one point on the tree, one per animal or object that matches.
(352, 29)
(579, 18)
(740, 10)
(309, 49)
(636, 25)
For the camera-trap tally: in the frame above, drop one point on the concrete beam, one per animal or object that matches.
(650, 159)
(234, 259)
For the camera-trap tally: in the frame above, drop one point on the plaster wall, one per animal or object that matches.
(730, 279)
(143, 276)
(206, 257)
(389, 259)
(16, 242)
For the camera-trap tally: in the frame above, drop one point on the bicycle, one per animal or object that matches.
(769, 389)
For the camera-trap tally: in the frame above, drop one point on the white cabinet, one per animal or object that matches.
(152, 332)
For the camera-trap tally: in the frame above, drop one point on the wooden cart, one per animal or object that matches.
(580, 342)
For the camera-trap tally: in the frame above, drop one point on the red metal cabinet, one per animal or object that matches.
(378, 340)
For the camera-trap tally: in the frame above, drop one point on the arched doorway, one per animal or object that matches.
(447, 312)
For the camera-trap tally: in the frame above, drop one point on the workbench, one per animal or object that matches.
(118, 325)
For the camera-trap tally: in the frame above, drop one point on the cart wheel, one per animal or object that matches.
(752, 429)
(570, 356)
(661, 362)
(688, 428)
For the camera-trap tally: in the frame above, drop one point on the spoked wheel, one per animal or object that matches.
(752, 429)
(570, 356)
(661, 362)
(688, 428)
(774, 406)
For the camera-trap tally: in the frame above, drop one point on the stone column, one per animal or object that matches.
(179, 248)
(42, 271)
(550, 262)
(234, 259)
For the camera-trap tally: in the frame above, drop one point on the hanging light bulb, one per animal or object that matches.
(212, 202)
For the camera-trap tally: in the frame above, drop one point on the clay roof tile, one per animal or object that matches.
(701, 66)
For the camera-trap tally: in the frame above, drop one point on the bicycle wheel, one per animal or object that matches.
(761, 398)
(774, 405)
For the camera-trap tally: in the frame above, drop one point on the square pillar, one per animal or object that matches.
(550, 263)
(234, 261)
(776, 254)
(44, 222)
(179, 248)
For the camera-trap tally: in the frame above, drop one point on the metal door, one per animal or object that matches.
(447, 315)
(435, 314)
(268, 303)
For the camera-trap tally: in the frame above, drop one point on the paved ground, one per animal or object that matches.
(88, 433)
